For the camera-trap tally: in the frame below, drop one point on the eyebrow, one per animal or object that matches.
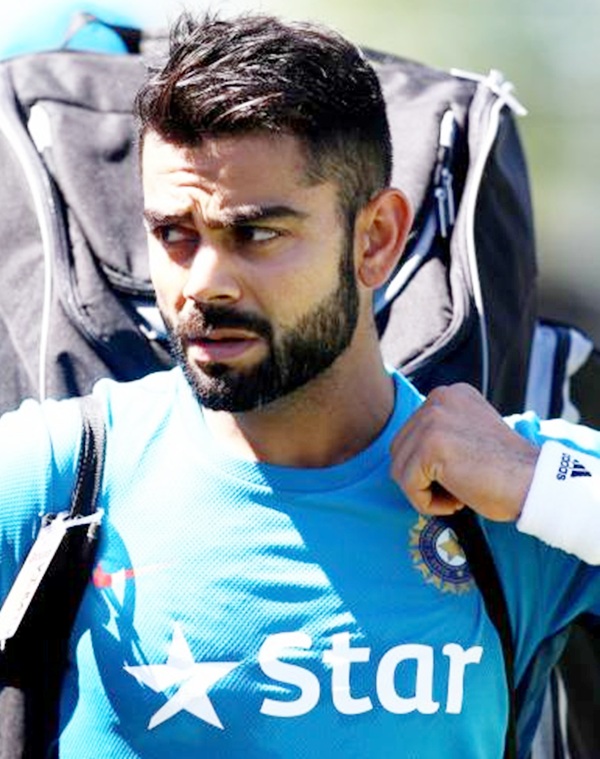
(157, 218)
(228, 218)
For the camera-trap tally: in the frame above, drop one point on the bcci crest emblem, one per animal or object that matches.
(437, 555)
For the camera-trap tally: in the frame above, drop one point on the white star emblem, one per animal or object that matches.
(195, 680)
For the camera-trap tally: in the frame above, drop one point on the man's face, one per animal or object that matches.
(253, 267)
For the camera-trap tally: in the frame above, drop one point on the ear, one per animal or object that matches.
(381, 231)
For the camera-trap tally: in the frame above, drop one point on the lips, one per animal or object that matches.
(221, 345)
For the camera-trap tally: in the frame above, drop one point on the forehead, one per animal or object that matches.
(251, 167)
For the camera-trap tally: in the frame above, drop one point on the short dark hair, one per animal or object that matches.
(255, 73)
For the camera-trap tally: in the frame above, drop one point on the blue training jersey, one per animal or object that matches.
(240, 609)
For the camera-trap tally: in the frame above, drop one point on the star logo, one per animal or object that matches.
(194, 680)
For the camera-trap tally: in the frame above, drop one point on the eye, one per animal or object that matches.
(254, 234)
(262, 234)
(173, 235)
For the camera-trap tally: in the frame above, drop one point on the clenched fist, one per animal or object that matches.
(456, 450)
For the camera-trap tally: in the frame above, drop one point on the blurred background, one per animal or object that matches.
(547, 48)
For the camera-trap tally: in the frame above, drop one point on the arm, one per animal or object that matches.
(456, 450)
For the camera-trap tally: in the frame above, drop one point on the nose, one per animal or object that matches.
(211, 278)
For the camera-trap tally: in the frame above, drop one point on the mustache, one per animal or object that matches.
(203, 320)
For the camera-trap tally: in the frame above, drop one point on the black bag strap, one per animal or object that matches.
(483, 568)
(31, 674)
(91, 458)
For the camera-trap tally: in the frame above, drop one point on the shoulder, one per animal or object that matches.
(40, 441)
(39, 445)
(37, 440)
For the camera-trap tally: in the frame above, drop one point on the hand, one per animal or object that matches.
(456, 450)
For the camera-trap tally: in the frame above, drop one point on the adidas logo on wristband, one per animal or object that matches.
(570, 467)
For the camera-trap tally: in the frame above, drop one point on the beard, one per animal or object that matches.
(295, 355)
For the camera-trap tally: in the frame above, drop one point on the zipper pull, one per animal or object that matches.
(443, 178)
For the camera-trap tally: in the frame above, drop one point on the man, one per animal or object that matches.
(263, 587)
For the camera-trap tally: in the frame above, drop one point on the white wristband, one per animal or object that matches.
(562, 507)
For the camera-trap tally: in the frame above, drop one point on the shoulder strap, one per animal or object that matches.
(481, 562)
(91, 458)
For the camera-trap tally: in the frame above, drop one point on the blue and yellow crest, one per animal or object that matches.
(436, 553)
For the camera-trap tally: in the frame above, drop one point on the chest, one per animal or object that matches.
(230, 618)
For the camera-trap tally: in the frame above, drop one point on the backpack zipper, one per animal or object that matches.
(501, 89)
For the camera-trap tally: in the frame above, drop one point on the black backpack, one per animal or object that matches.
(72, 232)
(76, 301)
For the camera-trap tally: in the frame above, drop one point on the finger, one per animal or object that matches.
(435, 501)
(441, 511)
(443, 503)
(417, 478)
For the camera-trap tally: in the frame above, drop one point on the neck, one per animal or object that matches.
(329, 420)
